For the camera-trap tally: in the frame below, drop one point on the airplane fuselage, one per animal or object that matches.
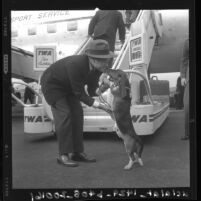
(68, 33)
(166, 56)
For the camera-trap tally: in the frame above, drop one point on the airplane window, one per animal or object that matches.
(51, 28)
(32, 31)
(72, 26)
(14, 33)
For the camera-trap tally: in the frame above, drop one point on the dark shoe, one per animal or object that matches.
(83, 158)
(185, 138)
(64, 160)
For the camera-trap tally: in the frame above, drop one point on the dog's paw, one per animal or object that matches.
(129, 165)
(135, 161)
(140, 161)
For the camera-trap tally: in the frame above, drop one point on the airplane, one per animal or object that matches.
(153, 44)
(65, 29)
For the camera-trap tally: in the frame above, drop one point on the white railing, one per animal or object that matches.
(122, 53)
(125, 46)
(148, 89)
(21, 102)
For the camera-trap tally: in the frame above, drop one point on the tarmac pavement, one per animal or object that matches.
(166, 160)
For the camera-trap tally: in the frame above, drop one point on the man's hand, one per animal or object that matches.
(105, 108)
(103, 83)
(183, 81)
(98, 92)
(102, 106)
(96, 104)
(104, 79)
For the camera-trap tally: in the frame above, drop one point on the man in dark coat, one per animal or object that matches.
(63, 86)
(29, 95)
(184, 71)
(104, 26)
(131, 16)
(179, 94)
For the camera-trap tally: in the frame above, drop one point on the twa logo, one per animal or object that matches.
(45, 52)
(139, 118)
(36, 119)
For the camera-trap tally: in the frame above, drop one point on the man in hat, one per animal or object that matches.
(63, 86)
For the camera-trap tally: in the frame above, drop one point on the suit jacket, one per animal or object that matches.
(184, 67)
(67, 77)
(104, 25)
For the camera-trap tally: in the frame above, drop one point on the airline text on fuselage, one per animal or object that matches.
(41, 15)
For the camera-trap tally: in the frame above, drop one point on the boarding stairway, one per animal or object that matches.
(136, 54)
(22, 64)
(133, 57)
(147, 27)
(119, 48)
(144, 31)
(137, 49)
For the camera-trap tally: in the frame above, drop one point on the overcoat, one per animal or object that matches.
(67, 77)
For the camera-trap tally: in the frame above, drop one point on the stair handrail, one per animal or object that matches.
(82, 46)
(123, 48)
(22, 51)
(139, 15)
(126, 43)
(144, 18)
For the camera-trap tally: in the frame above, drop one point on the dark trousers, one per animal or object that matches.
(179, 100)
(186, 110)
(68, 118)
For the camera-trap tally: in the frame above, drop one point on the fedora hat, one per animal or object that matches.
(99, 49)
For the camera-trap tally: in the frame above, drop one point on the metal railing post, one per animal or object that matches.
(81, 48)
(148, 89)
(21, 102)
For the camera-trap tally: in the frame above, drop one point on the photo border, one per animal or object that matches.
(25, 194)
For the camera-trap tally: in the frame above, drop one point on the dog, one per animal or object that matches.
(120, 112)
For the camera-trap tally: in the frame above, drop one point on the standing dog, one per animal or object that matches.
(120, 89)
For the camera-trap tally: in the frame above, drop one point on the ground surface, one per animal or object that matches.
(166, 160)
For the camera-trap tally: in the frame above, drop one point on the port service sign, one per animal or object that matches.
(44, 56)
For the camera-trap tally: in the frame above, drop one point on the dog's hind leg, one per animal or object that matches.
(130, 163)
(139, 150)
(128, 145)
(138, 159)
